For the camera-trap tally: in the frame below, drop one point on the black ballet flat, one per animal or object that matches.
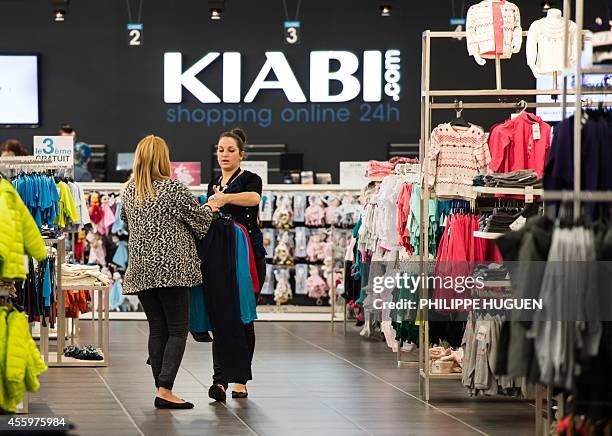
(240, 394)
(201, 337)
(160, 403)
(217, 393)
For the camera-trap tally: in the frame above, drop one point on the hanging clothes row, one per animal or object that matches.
(461, 151)
(568, 344)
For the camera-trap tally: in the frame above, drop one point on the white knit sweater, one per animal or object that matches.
(545, 45)
(455, 157)
(480, 32)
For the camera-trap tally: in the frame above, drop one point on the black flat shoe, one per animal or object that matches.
(160, 403)
(240, 394)
(217, 393)
(202, 337)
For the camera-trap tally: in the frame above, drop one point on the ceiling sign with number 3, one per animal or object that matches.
(292, 32)
(135, 34)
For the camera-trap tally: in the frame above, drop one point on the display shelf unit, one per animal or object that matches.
(100, 324)
(452, 376)
(486, 190)
(428, 105)
(334, 315)
(111, 187)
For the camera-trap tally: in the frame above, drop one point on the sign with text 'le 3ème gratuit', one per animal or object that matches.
(59, 148)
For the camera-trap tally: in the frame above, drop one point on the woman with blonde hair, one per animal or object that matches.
(163, 219)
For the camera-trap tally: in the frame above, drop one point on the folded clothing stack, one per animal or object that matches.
(514, 179)
(83, 275)
(499, 221)
(380, 168)
(445, 360)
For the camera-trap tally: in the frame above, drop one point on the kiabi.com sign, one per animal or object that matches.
(380, 74)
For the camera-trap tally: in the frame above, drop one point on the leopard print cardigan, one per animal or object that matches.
(162, 231)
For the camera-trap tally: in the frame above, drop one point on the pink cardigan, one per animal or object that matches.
(480, 30)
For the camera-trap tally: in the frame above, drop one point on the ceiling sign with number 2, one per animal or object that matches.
(135, 34)
(292, 32)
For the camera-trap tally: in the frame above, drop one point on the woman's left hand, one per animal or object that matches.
(219, 197)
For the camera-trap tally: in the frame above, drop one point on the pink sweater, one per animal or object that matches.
(455, 157)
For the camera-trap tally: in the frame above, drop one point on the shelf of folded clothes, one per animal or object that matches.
(487, 235)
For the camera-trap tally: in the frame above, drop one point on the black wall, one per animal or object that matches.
(113, 94)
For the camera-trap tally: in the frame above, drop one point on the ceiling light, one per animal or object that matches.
(59, 15)
(546, 5)
(216, 9)
(215, 13)
(60, 10)
(385, 10)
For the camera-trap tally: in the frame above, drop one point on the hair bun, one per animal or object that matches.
(240, 133)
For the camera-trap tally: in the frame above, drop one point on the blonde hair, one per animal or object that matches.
(151, 163)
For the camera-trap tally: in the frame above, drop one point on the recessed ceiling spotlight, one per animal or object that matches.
(385, 10)
(60, 10)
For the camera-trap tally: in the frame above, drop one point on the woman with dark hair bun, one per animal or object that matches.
(237, 192)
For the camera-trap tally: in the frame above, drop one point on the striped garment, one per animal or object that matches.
(456, 155)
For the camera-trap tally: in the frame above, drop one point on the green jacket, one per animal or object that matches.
(20, 361)
(18, 234)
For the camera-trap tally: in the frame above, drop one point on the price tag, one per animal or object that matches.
(529, 194)
(483, 331)
(291, 32)
(135, 33)
(518, 223)
(59, 148)
(535, 129)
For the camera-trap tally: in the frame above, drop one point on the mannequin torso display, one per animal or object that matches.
(545, 44)
(493, 29)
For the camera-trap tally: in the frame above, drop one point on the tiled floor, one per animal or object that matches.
(307, 381)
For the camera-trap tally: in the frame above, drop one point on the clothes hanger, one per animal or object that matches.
(459, 121)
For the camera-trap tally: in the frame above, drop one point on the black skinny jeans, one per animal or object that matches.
(249, 330)
(167, 311)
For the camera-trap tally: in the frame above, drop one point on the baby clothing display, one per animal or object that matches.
(315, 212)
(493, 28)
(316, 287)
(545, 44)
(282, 290)
(456, 155)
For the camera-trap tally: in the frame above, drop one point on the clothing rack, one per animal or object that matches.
(428, 105)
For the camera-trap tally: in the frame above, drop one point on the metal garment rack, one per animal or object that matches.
(428, 105)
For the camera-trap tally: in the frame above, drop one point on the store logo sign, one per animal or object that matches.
(371, 85)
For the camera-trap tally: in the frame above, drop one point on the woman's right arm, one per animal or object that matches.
(197, 217)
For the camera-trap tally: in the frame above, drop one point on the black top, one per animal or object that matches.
(245, 181)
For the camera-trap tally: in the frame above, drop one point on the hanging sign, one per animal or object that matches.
(189, 173)
(59, 148)
(353, 174)
(259, 167)
(135, 34)
(291, 32)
